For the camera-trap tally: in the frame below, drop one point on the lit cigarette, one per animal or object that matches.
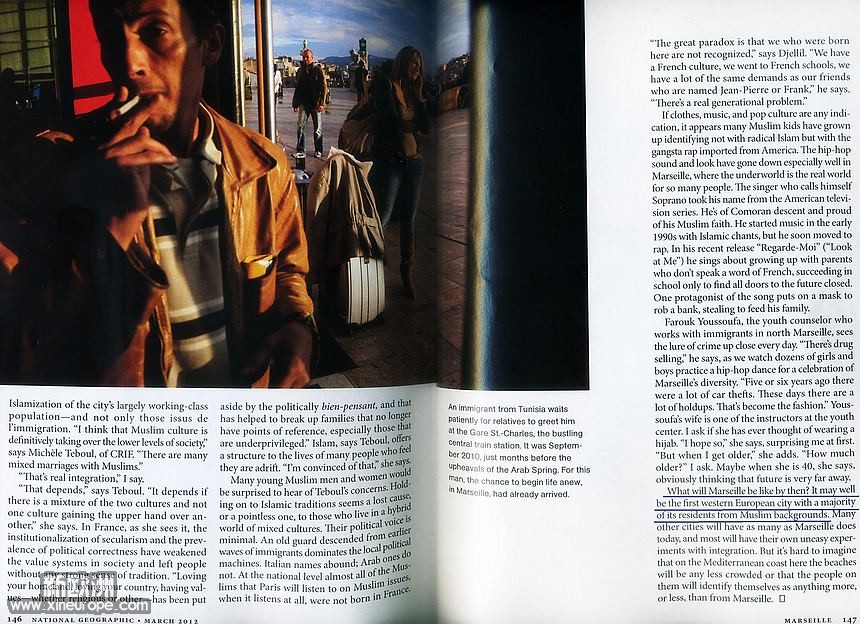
(122, 110)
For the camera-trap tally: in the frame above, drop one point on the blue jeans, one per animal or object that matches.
(300, 129)
(397, 182)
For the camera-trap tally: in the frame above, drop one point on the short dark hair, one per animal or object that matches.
(204, 13)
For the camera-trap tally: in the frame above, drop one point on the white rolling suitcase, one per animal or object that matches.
(361, 291)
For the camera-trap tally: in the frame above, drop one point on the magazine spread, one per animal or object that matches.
(645, 415)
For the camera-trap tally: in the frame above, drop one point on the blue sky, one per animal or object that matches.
(333, 27)
(452, 38)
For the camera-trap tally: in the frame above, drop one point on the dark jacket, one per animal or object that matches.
(77, 309)
(310, 88)
(399, 119)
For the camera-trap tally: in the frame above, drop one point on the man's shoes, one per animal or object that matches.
(318, 154)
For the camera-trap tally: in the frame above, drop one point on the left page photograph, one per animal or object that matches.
(199, 198)
(151, 236)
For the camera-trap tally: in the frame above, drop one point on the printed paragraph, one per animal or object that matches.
(315, 506)
(751, 210)
(522, 451)
(91, 495)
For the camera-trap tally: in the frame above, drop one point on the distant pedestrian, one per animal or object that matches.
(360, 79)
(309, 101)
(328, 84)
(397, 170)
(247, 80)
(279, 85)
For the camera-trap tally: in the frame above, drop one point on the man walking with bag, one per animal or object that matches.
(309, 101)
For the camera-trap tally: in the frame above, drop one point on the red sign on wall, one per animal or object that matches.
(90, 82)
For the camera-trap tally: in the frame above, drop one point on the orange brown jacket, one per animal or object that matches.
(75, 309)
